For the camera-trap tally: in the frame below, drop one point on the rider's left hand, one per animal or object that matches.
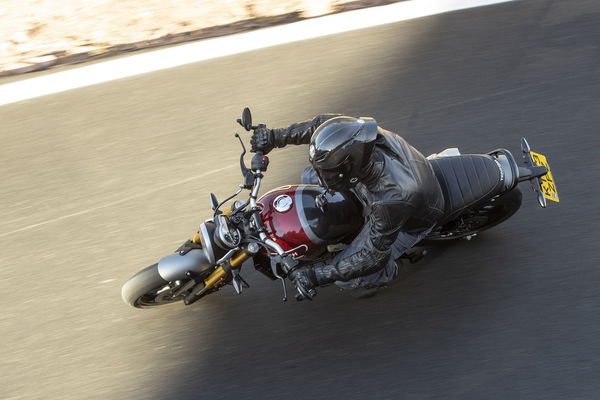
(263, 140)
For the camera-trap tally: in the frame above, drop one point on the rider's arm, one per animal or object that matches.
(299, 133)
(370, 250)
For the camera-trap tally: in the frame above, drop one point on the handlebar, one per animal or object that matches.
(252, 180)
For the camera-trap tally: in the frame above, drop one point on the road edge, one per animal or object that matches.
(236, 27)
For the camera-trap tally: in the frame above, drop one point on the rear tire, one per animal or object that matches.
(488, 215)
(148, 289)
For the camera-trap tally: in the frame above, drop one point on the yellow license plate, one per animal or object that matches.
(547, 181)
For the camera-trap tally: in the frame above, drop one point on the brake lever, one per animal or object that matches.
(246, 173)
(282, 279)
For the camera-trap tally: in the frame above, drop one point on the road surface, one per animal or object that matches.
(101, 181)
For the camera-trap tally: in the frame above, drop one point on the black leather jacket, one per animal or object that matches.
(399, 191)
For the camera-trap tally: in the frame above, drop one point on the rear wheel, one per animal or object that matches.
(484, 217)
(148, 289)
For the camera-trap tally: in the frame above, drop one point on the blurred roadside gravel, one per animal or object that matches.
(41, 34)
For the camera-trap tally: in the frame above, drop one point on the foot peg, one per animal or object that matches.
(414, 256)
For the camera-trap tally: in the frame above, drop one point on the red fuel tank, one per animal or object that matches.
(293, 220)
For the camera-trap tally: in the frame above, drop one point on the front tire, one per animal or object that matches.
(148, 289)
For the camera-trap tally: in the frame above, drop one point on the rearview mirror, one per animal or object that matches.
(214, 202)
(246, 120)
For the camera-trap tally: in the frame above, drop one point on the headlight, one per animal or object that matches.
(212, 251)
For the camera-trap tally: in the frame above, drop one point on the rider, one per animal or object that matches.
(393, 180)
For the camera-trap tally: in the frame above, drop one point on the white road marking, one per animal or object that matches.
(213, 48)
(228, 45)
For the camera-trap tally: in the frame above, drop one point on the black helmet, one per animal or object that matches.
(340, 149)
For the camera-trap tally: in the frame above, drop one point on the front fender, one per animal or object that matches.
(175, 266)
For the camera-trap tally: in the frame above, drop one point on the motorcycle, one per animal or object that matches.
(296, 224)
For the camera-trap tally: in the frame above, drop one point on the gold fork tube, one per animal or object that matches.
(238, 259)
(217, 275)
(220, 273)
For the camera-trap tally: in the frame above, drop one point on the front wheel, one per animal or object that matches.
(484, 217)
(148, 289)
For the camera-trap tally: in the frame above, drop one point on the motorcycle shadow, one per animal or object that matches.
(295, 342)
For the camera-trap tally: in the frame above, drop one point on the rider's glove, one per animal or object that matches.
(263, 140)
(305, 280)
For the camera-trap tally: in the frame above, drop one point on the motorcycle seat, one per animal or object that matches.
(466, 180)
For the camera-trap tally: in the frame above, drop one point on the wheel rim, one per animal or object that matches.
(163, 295)
(471, 223)
(487, 215)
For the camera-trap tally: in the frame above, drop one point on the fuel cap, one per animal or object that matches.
(283, 203)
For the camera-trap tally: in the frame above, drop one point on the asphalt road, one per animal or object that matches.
(101, 181)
